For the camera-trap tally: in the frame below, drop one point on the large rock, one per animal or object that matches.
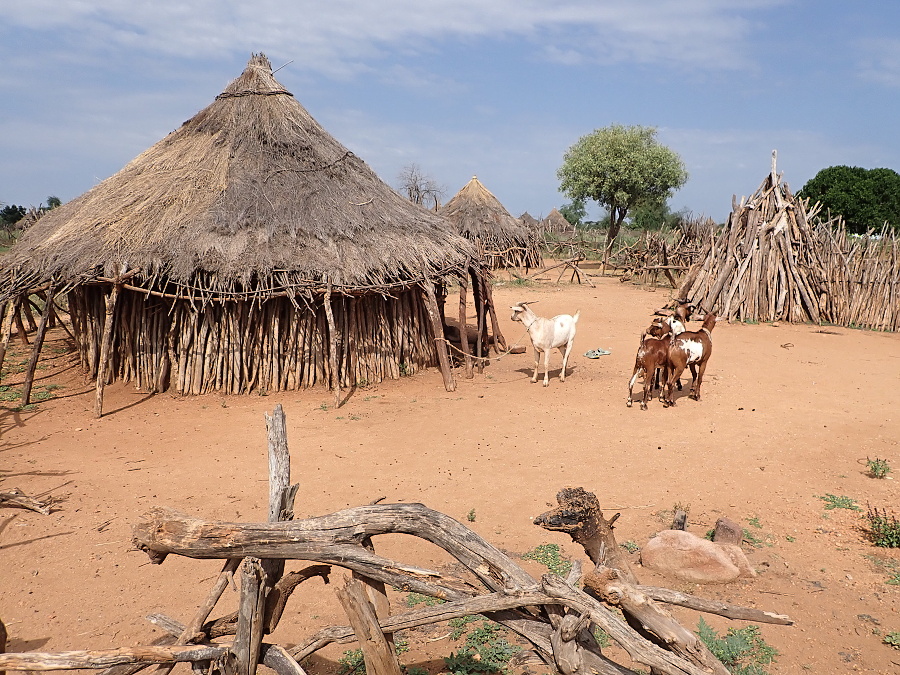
(687, 557)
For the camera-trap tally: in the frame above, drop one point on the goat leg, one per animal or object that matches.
(562, 375)
(537, 364)
(634, 377)
(695, 393)
(547, 367)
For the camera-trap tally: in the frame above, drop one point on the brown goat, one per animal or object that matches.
(690, 348)
(652, 356)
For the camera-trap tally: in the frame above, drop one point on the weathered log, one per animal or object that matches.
(378, 653)
(104, 658)
(579, 516)
(714, 606)
(248, 637)
(607, 584)
(327, 538)
(638, 649)
(440, 341)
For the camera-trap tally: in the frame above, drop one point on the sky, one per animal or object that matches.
(494, 88)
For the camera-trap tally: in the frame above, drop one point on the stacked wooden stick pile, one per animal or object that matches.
(553, 615)
(777, 260)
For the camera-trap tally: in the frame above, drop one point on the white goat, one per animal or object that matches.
(546, 335)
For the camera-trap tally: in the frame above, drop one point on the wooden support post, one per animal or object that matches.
(478, 299)
(281, 492)
(463, 331)
(36, 350)
(332, 349)
(106, 347)
(11, 311)
(244, 655)
(440, 340)
(20, 326)
(377, 652)
(499, 340)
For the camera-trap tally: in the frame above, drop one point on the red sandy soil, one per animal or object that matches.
(789, 414)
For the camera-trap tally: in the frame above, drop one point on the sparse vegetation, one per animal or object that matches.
(878, 468)
(893, 639)
(630, 546)
(413, 599)
(470, 516)
(549, 556)
(742, 651)
(835, 502)
(485, 650)
(884, 529)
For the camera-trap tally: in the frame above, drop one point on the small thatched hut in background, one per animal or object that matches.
(556, 223)
(530, 221)
(247, 250)
(503, 240)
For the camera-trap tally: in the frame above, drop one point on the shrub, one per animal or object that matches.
(884, 529)
(742, 651)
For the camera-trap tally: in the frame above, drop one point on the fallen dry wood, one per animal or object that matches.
(714, 606)
(16, 497)
(104, 658)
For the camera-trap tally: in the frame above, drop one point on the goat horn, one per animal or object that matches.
(529, 302)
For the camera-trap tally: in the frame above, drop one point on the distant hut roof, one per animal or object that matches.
(556, 222)
(529, 220)
(478, 215)
(250, 195)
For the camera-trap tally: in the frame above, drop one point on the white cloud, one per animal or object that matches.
(337, 37)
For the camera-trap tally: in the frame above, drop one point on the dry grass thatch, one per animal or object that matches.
(248, 250)
(556, 222)
(505, 241)
(250, 193)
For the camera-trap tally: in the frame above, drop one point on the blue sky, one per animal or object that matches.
(494, 88)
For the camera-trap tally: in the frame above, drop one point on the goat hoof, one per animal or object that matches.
(643, 406)
(628, 403)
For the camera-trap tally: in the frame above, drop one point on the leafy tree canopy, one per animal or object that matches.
(866, 198)
(574, 212)
(620, 167)
(655, 215)
(12, 214)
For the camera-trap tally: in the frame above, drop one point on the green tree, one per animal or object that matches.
(11, 214)
(866, 198)
(620, 167)
(574, 212)
(654, 215)
(53, 202)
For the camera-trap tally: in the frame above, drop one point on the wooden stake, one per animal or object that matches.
(244, 655)
(440, 340)
(11, 311)
(377, 652)
(36, 350)
(463, 331)
(105, 347)
(332, 349)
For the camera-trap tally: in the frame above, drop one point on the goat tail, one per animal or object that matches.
(575, 316)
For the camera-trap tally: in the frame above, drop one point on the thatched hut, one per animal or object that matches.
(504, 241)
(556, 223)
(530, 221)
(248, 250)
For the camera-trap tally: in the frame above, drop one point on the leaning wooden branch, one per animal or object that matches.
(104, 658)
(16, 497)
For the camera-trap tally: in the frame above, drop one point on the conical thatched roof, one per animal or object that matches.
(529, 220)
(556, 222)
(248, 196)
(478, 215)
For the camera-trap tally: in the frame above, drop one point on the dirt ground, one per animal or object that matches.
(789, 415)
